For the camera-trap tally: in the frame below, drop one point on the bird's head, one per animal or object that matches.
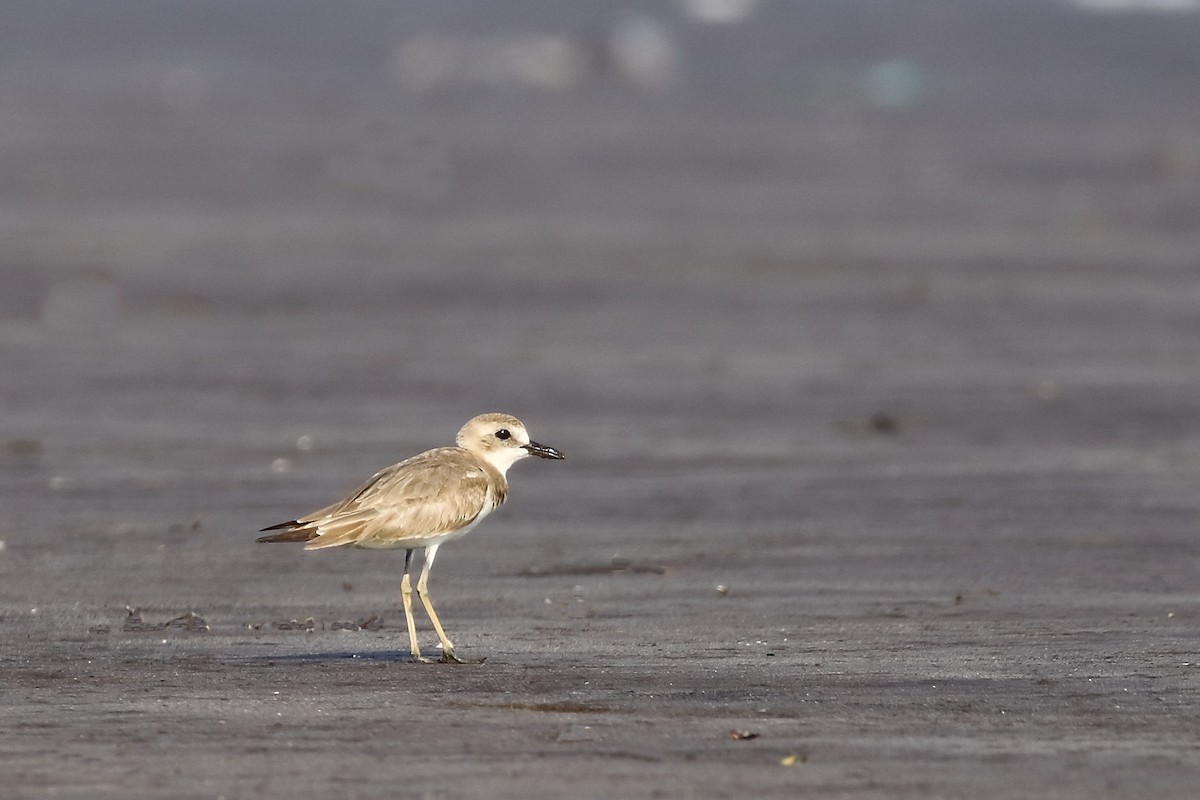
(502, 440)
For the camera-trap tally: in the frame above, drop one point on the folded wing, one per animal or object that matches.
(430, 494)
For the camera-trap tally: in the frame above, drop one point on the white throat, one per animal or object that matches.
(505, 458)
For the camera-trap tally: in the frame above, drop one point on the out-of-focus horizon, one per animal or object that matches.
(927, 132)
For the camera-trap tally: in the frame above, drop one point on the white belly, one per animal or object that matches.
(417, 542)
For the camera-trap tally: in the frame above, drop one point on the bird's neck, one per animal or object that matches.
(501, 460)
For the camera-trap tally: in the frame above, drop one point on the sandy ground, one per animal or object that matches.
(882, 424)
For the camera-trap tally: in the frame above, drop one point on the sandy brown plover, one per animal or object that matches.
(421, 503)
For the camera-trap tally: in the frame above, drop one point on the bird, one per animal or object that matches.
(420, 504)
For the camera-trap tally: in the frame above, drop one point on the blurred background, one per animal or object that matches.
(712, 249)
(870, 330)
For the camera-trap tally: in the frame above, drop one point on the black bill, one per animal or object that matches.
(541, 451)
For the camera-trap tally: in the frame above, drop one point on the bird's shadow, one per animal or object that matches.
(393, 656)
(344, 655)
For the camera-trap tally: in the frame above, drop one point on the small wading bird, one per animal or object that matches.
(421, 503)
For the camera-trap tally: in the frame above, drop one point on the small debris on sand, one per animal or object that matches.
(295, 625)
(190, 622)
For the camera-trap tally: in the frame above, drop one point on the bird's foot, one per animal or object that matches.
(448, 657)
(420, 659)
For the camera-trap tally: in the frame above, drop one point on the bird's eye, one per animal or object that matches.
(503, 434)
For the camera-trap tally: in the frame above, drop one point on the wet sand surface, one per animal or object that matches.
(882, 423)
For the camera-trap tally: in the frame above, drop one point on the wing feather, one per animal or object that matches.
(430, 494)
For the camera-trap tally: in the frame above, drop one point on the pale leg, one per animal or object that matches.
(406, 598)
(423, 593)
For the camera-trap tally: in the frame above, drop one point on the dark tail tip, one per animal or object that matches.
(293, 531)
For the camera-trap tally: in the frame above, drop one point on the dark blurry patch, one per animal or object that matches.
(24, 448)
(616, 565)
(17, 677)
(179, 527)
(552, 708)
(880, 423)
(22, 453)
(883, 422)
(190, 622)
